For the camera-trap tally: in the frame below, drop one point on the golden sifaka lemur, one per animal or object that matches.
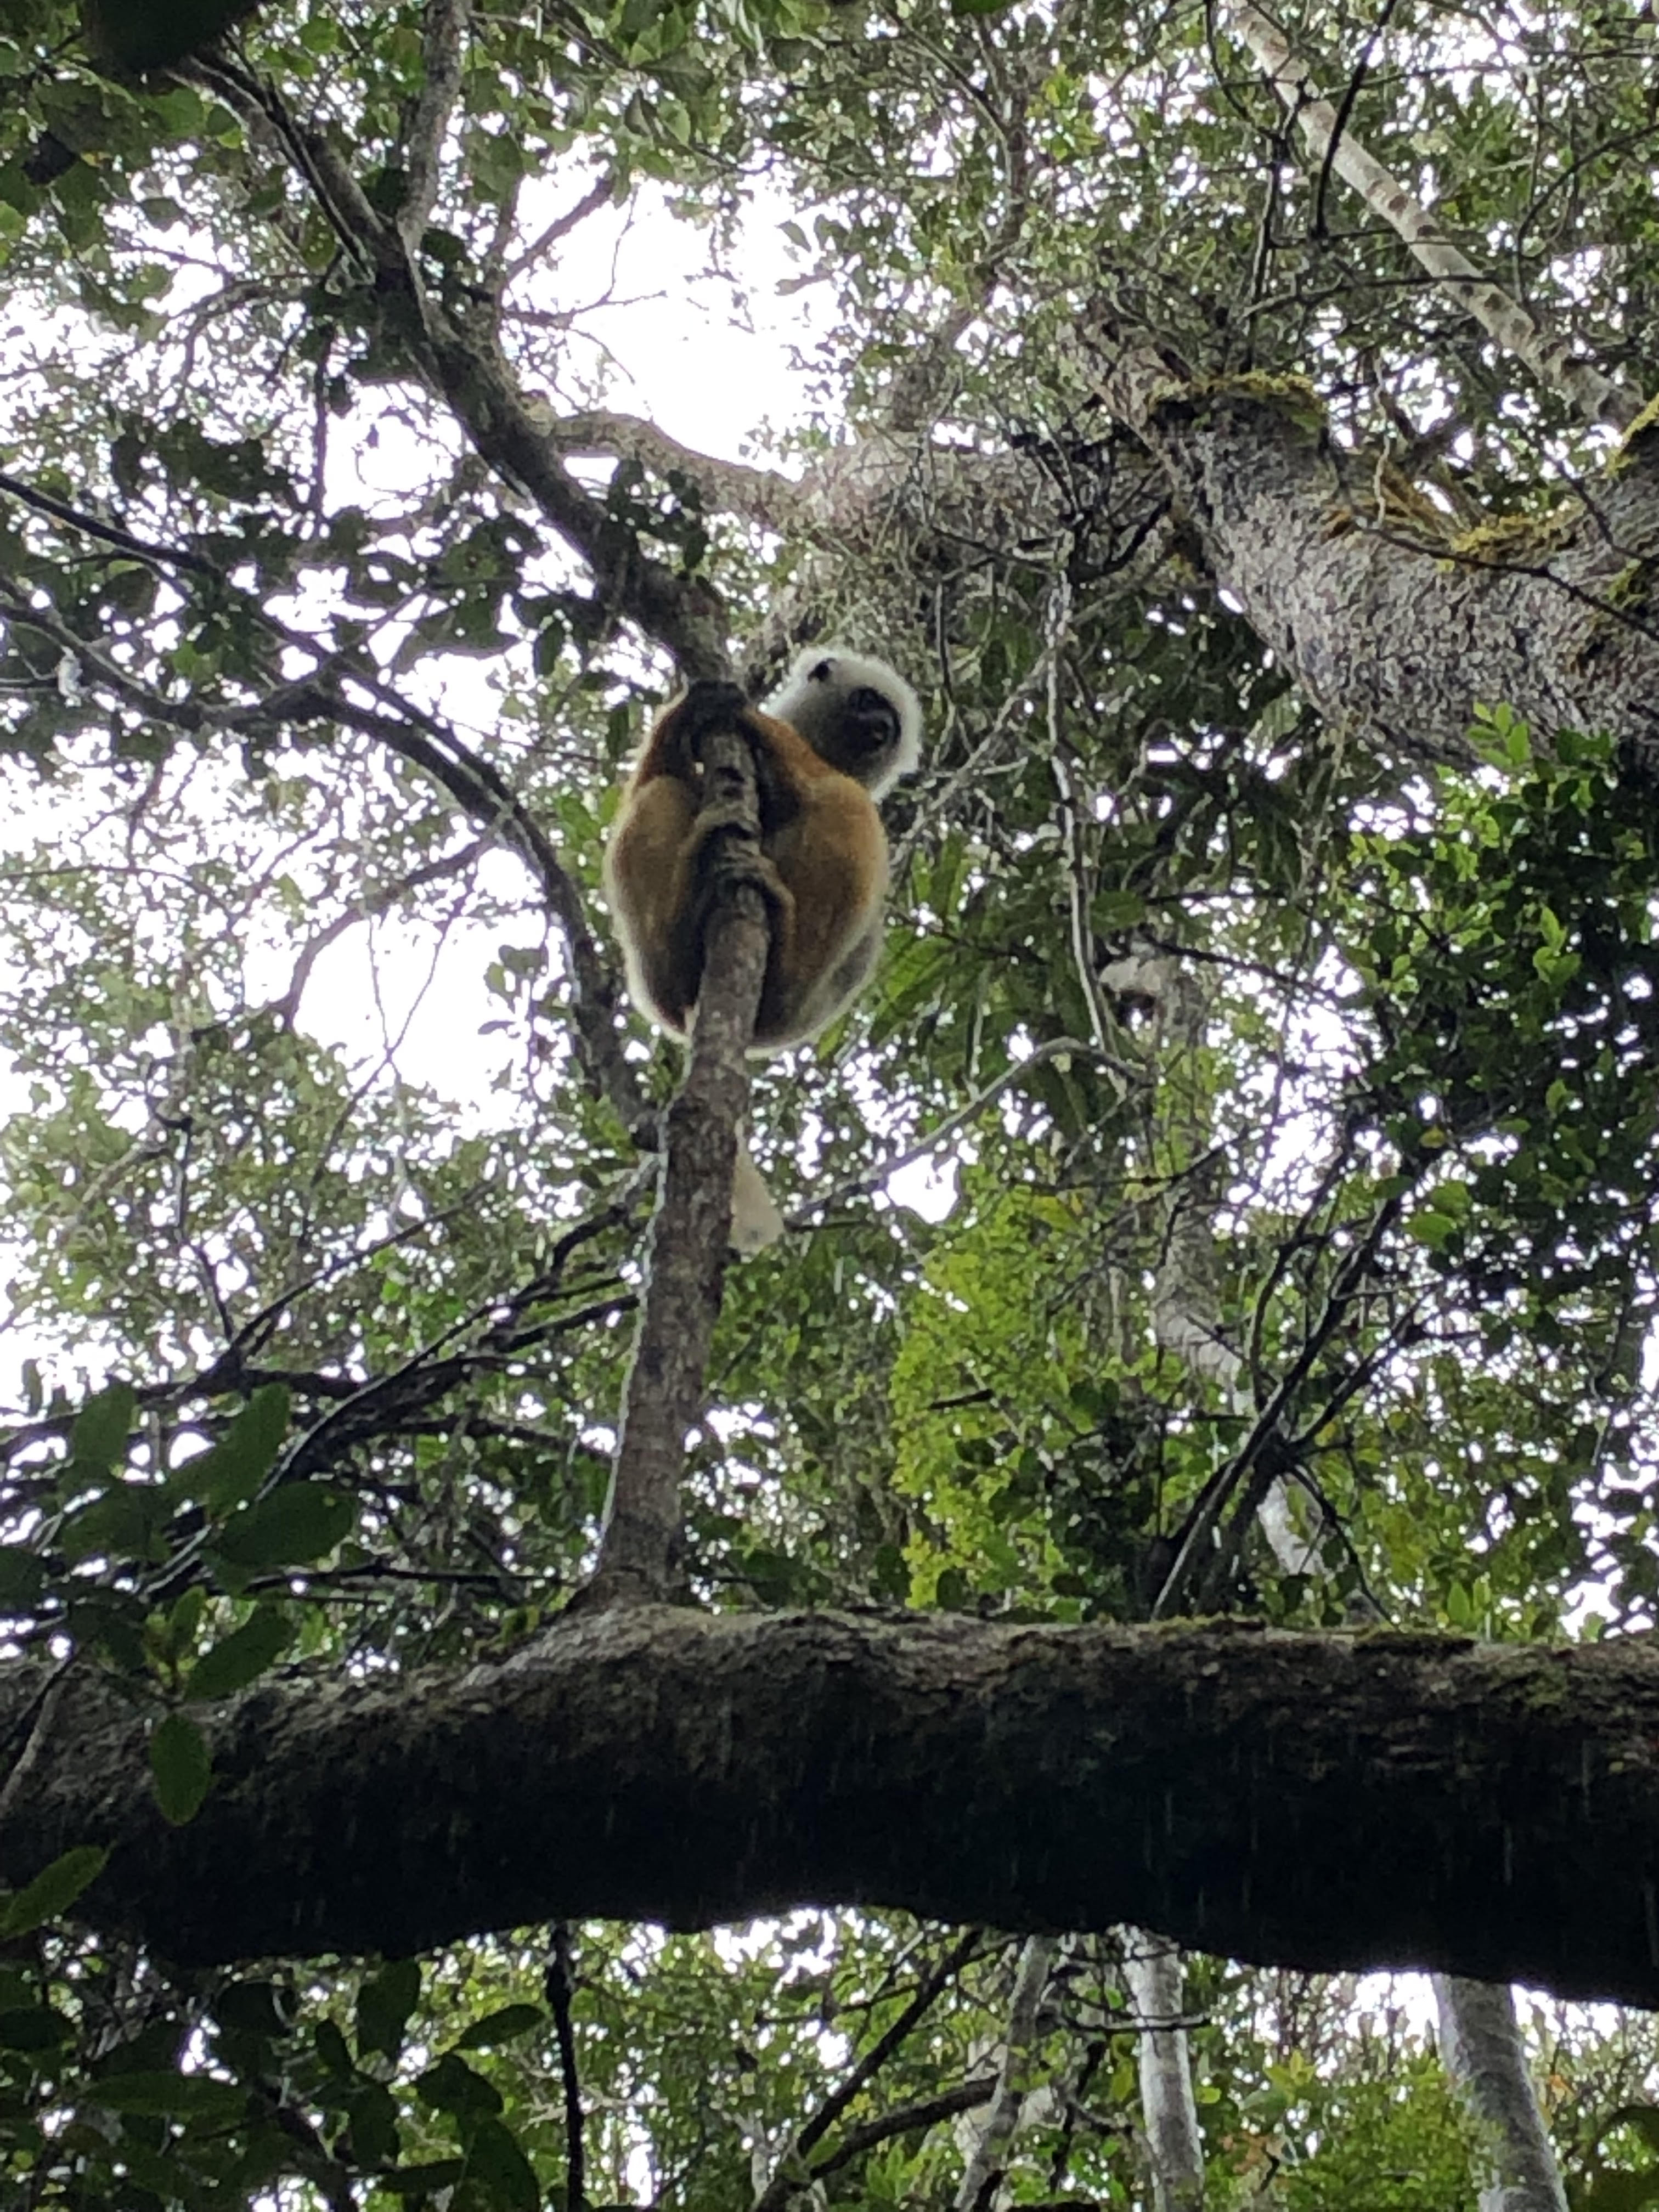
(841, 729)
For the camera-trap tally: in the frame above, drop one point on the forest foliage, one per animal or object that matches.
(1224, 1023)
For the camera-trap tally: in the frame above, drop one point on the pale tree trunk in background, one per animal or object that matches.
(1152, 1963)
(1151, 1967)
(982, 2180)
(1481, 2043)
(1385, 636)
(1479, 2038)
(1184, 1308)
(1549, 355)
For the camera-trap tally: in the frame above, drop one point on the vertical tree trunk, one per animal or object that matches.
(1479, 2038)
(982, 2180)
(1481, 2043)
(1151, 1967)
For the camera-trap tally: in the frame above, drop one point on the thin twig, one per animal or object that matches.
(904, 2120)
(1066, 1048)
(1190, 1566)
(928, 1989)
(559, 1982)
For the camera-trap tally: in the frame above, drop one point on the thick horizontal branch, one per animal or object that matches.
(1335, 1802)
(756, 495)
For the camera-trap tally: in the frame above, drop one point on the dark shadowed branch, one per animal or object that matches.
(1322, 1801)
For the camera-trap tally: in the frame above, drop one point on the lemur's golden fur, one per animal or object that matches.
(839, 732)
(841, 729)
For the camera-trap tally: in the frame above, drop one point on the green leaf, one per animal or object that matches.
(496, 2027)
(373, 2134)
(163, 2094)
(181, 1766)
(114, 1621)
(22, 1578)
(1114, 910)
(124, 1523)
(452, 2086)
(292, 1526)
(1556, 968)
(384, 2004)
(1432, 1229)
(421, 2180)
(53, 1890)
(240, 1658)
(34, 2027)
(495, 2162)
(257, 2007)
(229, 1472)
(185, 1619)
(331, 2047)
(101, 1428)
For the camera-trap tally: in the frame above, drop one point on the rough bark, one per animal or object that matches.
(1392, 625)
(1317, 1801)
(443, 48)
(1481, 2043)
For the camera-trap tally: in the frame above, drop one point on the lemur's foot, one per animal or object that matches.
(739, 862)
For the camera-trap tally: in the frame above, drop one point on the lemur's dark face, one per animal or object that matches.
(859, 730)
(871, 723)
